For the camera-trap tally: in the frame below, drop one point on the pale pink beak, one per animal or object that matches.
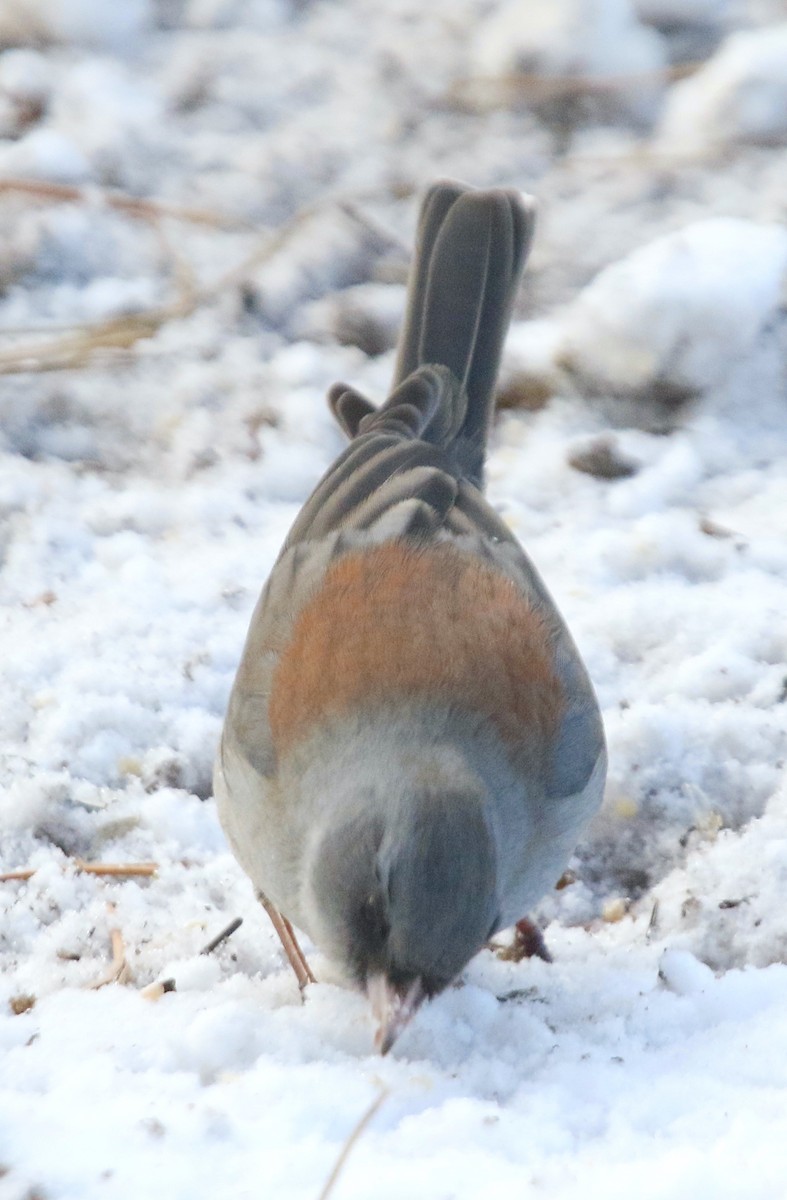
(391, 1011)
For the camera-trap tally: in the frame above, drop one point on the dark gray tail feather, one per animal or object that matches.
(429, 404)
(470, 251)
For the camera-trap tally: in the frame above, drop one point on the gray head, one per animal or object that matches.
(404, 889)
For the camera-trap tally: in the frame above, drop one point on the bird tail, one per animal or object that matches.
(470, 252)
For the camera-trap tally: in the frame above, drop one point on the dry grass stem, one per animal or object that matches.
(120, 870)
(366, 221)
(135, 206)
(75, 349)
(222, 937)
(118, 970)
(355, 1134)
(497, 89)
(121, 333)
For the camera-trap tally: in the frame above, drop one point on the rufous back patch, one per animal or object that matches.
(433, 624)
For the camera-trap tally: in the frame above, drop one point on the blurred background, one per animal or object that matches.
(320, 124)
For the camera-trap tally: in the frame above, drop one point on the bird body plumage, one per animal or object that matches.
(412, 745)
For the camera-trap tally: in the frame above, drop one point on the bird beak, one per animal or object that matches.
(391, 1010)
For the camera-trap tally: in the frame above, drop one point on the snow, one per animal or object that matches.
(739, 95)
(144, 495)
(681, 311)
(87, 21)
(576, 38)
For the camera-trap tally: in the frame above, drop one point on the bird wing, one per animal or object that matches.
(411, 476)
(392, 486)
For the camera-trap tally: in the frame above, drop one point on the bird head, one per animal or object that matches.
(404, 892)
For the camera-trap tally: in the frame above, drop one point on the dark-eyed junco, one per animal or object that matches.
(412, 745)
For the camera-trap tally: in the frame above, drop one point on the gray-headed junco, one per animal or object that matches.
(412, 745)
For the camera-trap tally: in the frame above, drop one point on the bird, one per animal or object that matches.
(412, 746)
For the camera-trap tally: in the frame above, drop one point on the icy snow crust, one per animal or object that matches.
(143, 498)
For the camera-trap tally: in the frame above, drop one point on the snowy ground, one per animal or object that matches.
(144, 493)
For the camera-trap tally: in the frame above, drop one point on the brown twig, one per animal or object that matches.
(120, 870)
(355, 1134)
(222, 937)
(135, 206)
